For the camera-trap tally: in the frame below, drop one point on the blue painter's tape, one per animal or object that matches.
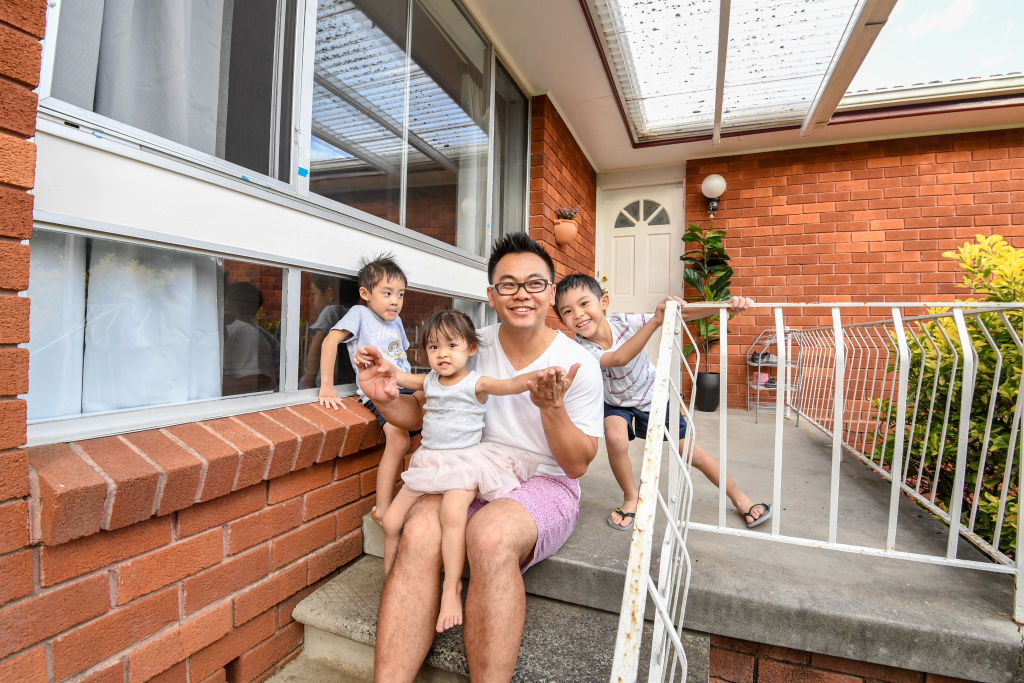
(303, 172)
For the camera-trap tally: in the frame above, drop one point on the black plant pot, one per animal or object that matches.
(707, 388)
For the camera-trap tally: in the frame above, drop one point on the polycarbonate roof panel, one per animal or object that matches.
(664, 58)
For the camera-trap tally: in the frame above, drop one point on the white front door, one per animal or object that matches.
(639, 242)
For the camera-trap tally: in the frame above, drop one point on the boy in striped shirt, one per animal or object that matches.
(618, 340)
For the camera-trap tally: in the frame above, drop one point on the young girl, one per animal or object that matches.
(452, 460)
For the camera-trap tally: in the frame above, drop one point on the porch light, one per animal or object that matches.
(713, 187)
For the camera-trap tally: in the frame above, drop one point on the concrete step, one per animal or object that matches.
(561, 641)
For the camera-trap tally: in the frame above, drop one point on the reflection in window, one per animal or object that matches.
(511, 132)
(325, 300)
(117, 326)
(213, 75)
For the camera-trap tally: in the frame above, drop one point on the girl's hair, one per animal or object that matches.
(451, 324)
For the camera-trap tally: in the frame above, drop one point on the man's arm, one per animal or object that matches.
(572, 449)
(379, 381)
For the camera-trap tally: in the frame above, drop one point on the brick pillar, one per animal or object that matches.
(21, 28)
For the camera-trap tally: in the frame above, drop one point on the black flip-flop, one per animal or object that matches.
(624, 515)
(765, 514)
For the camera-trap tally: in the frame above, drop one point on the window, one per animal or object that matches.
(213, 75)
(653, 214)
(117, 325)
(511, 175)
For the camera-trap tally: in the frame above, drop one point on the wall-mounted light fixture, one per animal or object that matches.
(713, 187)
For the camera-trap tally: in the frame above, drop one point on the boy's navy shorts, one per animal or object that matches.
(636, 420)
(380, 418)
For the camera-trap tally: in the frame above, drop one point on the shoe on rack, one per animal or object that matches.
(764, 358)
(770, 383)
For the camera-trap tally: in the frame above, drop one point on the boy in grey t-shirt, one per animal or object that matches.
(382, 288)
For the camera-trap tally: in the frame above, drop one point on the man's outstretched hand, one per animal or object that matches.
(377, 377)
(548, 388)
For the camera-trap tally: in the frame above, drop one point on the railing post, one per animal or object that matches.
(966, 399)
(723, 403)
(901, 420)
(780, 345)
(837, 432)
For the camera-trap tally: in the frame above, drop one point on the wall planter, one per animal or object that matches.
(565, 231)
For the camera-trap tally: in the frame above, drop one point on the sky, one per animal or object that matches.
(942, 40)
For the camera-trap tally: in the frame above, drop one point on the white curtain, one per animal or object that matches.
(158, 65)
(152, 333)
(57, 324)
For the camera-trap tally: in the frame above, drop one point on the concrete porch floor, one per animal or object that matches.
(897, 612)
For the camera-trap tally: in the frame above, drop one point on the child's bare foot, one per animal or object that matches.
(451, 608)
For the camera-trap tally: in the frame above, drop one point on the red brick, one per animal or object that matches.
(302, 541)
(284, 608)
(176, 674)
(109, 672)
(330, 497)
(769, 671)
(266, 655)
(254, 451)
(355, 464)
(731, 666)
(35, 619)
(299, 482)
(28, 16)
(17, 156)
(268, 593)
(311, 438)
(218, 676)
(216, 512)
(16, 575)
(865, 669)
(171, 563)
(350, 517)
(13, 526)
(71, 494)
(258, 527)
(15, 214)
(13, 475)
(131, 488)
(88, 644)
(68, 560)
(285, 444)
(356, 424)
(225, 578)
(12, 413)
(341, 552)
(180, 471)
(333, 429)
(373, 432)
(14, 275)
(19, 57)
(207, 661)
(158, 653)
(27, 666)
(220, 458)
(13, 361)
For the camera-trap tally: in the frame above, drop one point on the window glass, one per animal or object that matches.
(358, 104)
(325, 300)
(214, 75)
(511, 133)
(448, 116)
(116, 326)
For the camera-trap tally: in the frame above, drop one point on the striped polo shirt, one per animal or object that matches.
(629, 386)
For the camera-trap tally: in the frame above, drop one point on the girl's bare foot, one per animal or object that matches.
(451, 608)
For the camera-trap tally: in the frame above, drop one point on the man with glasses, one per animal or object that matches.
(556, 425)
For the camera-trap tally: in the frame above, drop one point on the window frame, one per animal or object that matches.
(69, 119)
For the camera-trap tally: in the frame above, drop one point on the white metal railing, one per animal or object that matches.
(669, 591)
(931, 395)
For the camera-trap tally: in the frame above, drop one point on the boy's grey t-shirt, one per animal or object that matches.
(629, 386)
(366, 328)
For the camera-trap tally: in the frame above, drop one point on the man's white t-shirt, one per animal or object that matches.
(514, 421)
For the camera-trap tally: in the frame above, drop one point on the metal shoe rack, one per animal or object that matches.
(763, 377)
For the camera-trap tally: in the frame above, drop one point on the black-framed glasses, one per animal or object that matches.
(510, 288)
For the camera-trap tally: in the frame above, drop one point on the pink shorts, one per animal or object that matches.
(554, 504)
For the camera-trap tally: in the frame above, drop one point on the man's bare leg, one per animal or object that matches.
(499, 538)
(412, 592)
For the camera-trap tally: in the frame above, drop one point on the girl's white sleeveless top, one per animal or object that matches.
(452, 417)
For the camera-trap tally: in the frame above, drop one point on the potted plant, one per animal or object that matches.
(565, 225)
(709, 273)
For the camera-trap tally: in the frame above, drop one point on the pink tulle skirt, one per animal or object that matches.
(493, 470)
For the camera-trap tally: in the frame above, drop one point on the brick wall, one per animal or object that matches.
(859, 222)
(741, 661)
(560, 175)
(21, 28)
